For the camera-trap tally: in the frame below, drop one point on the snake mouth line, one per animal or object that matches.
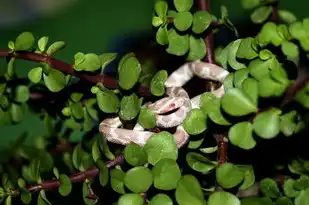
(171, 111)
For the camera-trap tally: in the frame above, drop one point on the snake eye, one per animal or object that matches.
(172, 105)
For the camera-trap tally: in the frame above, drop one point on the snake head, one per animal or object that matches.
(166, 104)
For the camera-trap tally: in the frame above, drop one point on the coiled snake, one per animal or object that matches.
(177, 97)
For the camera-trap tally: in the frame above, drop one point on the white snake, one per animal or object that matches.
(177, 97)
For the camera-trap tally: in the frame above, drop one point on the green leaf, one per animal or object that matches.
(129, 107)
(241, 135)
(138, 179)
(209, 150)
(54, 80)
(197, 50)
(106, 59)
(177, 44)
(161, 146)
(302, 198)
(267, 124)
(77, 110)
(229, 175)
(249, 176)
(183, 20)
(269, 188)
(104, 173)
(269, 34)
(77, 156)
(261, 14)
(35, 74)
(17, 112)
(108, 101)
(240, 76)
(195, 122)
(42, 199)
(201, 21)
(129, 71)
(117, 180)
(166, 174)
(86, 191)
(288, 188)
(160, 199)
(302, 182)
(22, 94)
(56, 46)
(289, 49)
(89, 62)
(157, 87)
(259, 68)
(42, 43)
(195, 144)
(222, 197)
(284, 201)
(237, 103)
(135, 155)
(231, 56)
(250, 86)
(200, 163)
(250, 4)
(189, 191)
(24, 41)
(183, 5)
(288, 123)
(247, 48)
(286, 16)
(147, 118)
(65, 186)
(25, 196)
(162, 35)
(130, 199)
(161, 8)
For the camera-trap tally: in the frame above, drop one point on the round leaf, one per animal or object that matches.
(161, 8)
(222, 197)
(35, 74)
(237, 103)
(246, 49)
(197, 50)
(22, 94)
(56, 46)
(117, 180)
(147, 118)
(161, 146)
(183, 20)
(261, 14)
(201, 21)
(160, 199)
(228, 175)
(42, 42)
(157, 87)
(129, 107)
(232, 58)
(177, 44)
(269, 188)
(138, 179)
(250, 4)
(166, 174)
(24, 41)
(267, 124)
(108, 101)
(162, 35)
(183, 5)
(129, 72)
(195, 122)
(302, 198)
(65, 186)
(131, 199)
(135, 155)
(290, 49)
(200, 163)
(54, 80)
(286, 16)
(241, 135)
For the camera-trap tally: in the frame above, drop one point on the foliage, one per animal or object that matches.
(266, 99)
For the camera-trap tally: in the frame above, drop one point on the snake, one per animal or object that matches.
(176, 100)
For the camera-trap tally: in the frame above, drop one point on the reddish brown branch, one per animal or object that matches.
(75, 178)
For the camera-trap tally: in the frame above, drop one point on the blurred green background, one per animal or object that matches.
(89, 26)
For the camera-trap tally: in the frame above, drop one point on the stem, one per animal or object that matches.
(75, 178)
(67, 68)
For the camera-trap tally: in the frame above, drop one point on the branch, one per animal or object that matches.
(75, 178)
(67, 69)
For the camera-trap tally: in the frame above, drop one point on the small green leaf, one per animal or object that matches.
(166, 174)
(201, 21)
(302, 198)
(183, 5)
(42, 199)
(228, 175)
(162, 35)
(195, 122)
(194, 144)
(87, 62)
(42, 43)
(259, 68)
(237, 103)
(267, 124)
(249, 176)
(131, 199)
(288, 188)
(138, 179)
(157, 87)
(222, 197)
(200, 163)
(35, 74)
(117, 178)
(246, 48)
(261, 14)
(135, 155)
(24, 41)
(86, 191)
(22, 94)
(183, 20)
(250, 4)
(160, 199)
(146, 118)
(54, 80)
(287, 16)
(129, 107)
(65, 186)
(108, 101)
(106, 59)
(241, 135)
(178, 44)
(104, 173)
(284, 201)
(161, 8)
(156, 21)
(269, 188)
(197, 50)
(269, 34)
(55, 47)
(129, 72)
(250, 86)
(288, 123)
(25, 196)
(189, 191)
(161, 146)
(17, 112)
(289, 49)
(232, 58)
